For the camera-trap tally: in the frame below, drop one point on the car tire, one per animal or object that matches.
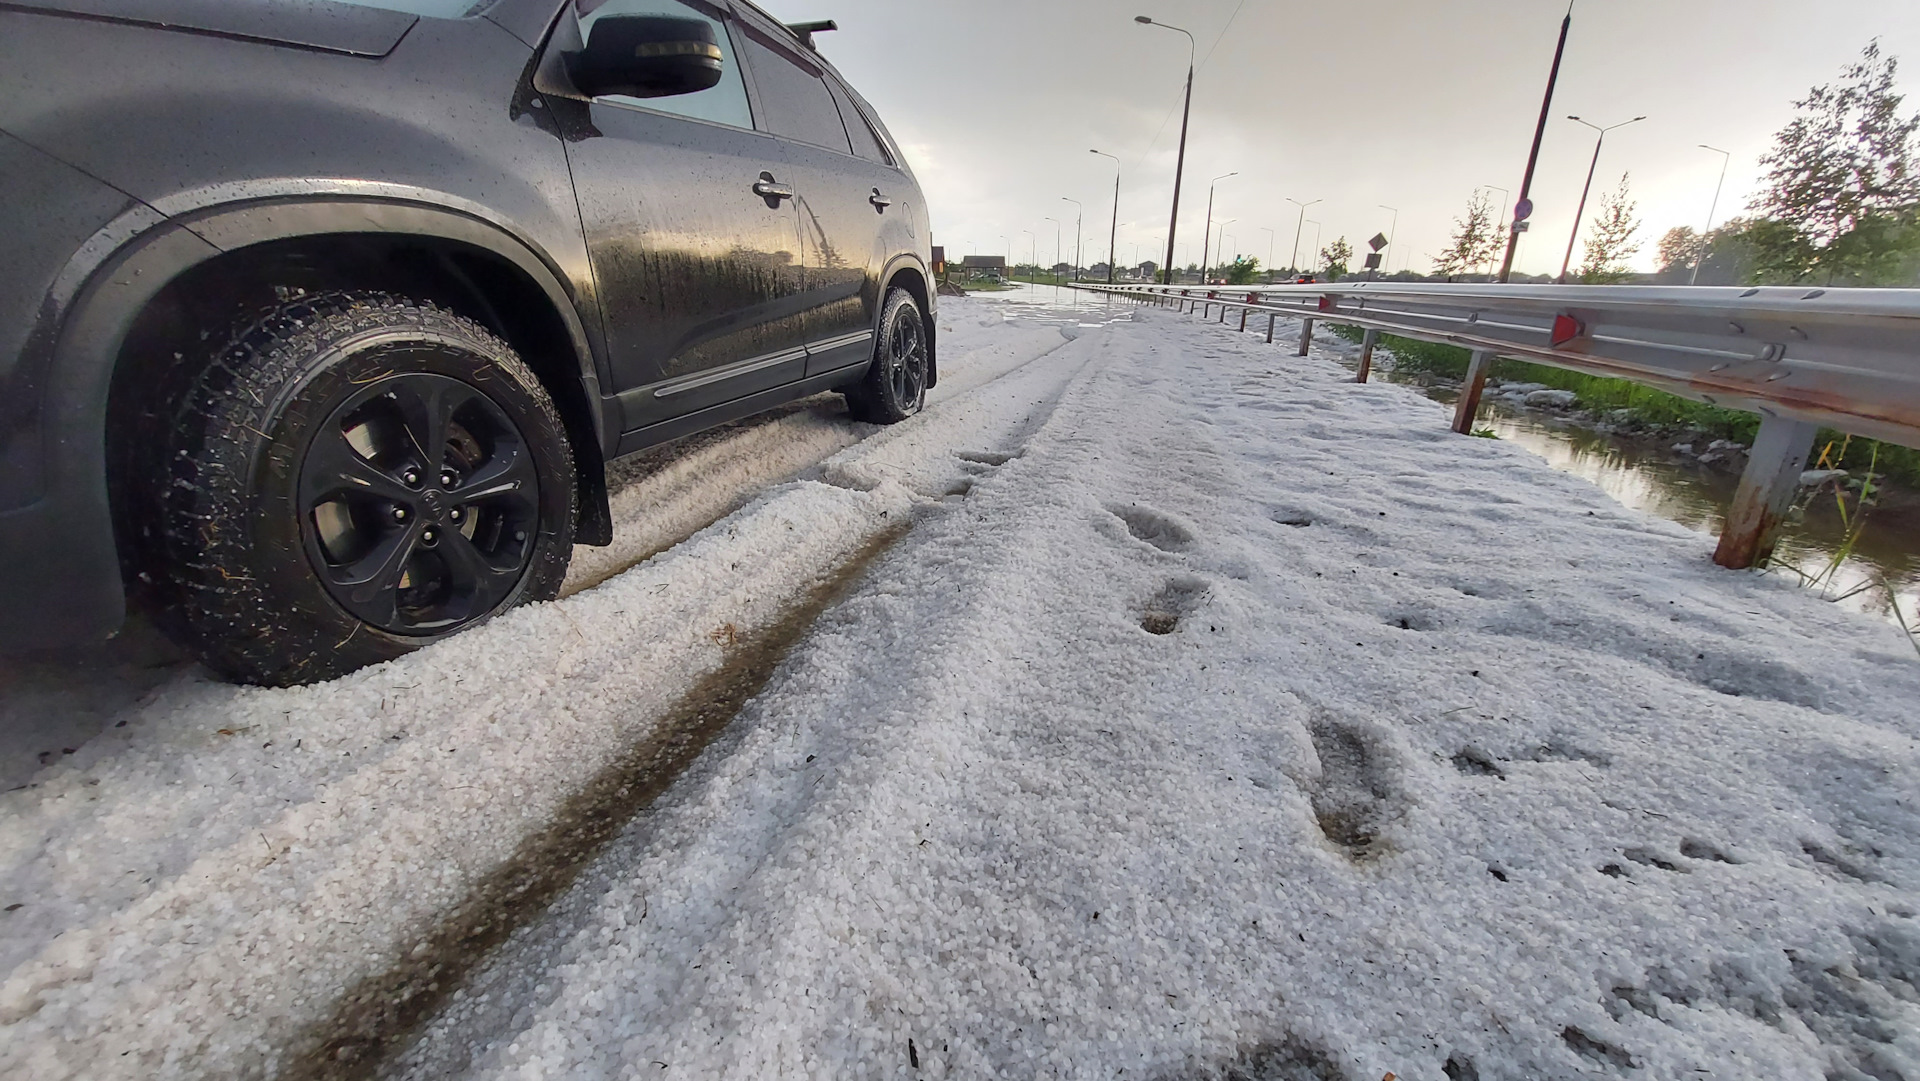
(895, 386)
(353, 476)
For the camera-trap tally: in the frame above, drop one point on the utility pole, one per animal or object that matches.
(1579, 213)
(1524, 206)
(1294, 261)
(1113, 236)
(1180, 161)
(1080, 213)
(1725, 157)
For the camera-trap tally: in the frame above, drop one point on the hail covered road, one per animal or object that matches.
(1156, 704)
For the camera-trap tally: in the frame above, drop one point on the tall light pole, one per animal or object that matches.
(1180, 161)
(1269, 233)
(1725, 157)
(1294, 260)
(1009, 244)
(1113, 234)
(1056, 244)
(1220, 249)
(1207, 233)
(1079, 215)
(1315, 250)
(1033, 249)
(1579, 213)
(1524, 206)
(1391, 230)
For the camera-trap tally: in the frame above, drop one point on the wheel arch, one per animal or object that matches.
(458, 261)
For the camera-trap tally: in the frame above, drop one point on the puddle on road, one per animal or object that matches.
(1056, 305)
(378, 1017)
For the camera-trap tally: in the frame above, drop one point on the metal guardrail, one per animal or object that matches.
(1802, 358)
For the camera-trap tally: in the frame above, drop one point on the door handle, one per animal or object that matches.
(770, 189)
(879, 201)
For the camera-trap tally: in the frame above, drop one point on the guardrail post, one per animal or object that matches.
(1469, 402)
(1306, 337)
(1766, 490)
(1367, 341)
(1223, 314)
(1243, 320)
(1270, 321)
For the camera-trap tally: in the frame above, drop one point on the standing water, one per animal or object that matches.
(1879, 574)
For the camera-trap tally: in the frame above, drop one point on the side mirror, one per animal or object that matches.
(647, 56)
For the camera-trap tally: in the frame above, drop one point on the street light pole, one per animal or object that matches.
(1207, 233)
(1269, 233)
(1033, 249)
(1113, 236)
(1582, 210)
(1079, 214)
(1056, 244)
(1294, 260)
(1533, 156)
(1315, 250)
(1180, 161)
(1725, 157)
(1391, 230)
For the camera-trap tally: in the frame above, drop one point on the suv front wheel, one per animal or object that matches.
(353, 476)
(895, 386)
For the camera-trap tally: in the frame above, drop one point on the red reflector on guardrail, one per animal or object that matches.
(1326, 303)
(1565, 329)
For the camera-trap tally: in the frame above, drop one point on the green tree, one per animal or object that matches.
(1336, 257)
(1842, 197)
(1242, 270)
(1610, 240)
(1680, 248)
(1474, 241)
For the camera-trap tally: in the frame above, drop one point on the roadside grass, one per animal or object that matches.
(1645, 405)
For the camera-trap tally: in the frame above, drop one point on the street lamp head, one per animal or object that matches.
(1143, 20)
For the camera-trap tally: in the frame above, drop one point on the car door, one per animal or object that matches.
(691, 229)
(839, 226)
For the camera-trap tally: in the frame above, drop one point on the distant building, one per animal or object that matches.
(984, 266)
(1146, 270)
(1097, 270)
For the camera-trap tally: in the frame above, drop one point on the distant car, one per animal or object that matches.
(320, 318)
(1305, 279)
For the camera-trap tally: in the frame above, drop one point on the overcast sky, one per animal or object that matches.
(1410, 103)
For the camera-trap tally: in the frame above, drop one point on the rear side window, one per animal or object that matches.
(725, 102)
(865, 142)
(793, 96)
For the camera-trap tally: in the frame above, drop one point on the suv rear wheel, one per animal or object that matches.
(895, 386)
(351, 477)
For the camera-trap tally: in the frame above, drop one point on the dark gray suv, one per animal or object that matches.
(318, 320)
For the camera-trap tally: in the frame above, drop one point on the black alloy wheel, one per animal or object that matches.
(418, 504)
(895, 386)
(351, 477)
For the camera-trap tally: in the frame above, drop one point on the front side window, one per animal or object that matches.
(793, 96)
(724, 103)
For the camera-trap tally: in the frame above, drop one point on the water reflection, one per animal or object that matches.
(1057, 304)
(1649, 478)
(1643, 474)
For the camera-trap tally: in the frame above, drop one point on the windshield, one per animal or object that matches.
(433, 9)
